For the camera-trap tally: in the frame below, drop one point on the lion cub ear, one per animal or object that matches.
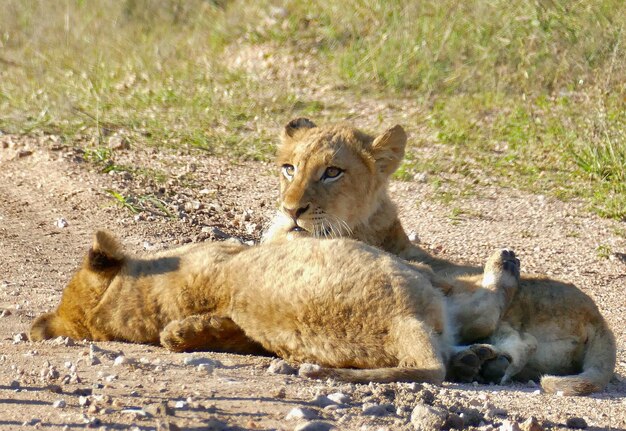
(388, 149)
(296, 126)
(105, 253)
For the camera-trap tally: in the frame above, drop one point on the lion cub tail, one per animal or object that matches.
(598, 367)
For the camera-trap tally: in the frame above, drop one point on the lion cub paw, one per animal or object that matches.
(465, 366)
(494, 370)
(191, 333)
(502, 271)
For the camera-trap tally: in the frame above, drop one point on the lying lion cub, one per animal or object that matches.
(360, 313)
(334, 183)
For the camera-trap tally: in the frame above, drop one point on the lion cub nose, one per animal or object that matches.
(295, 213)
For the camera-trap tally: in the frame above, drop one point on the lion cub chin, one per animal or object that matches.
(359, 313)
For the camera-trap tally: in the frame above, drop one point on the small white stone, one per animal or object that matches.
(137, 412)
(301, 413)
(181, 405)
(321, 401)
(120, 360)
(59, 404)
(19, 338)
(280, 366)
(199, 360)
(61, 223)
(339, 398)
(371, 409)
(205, 368)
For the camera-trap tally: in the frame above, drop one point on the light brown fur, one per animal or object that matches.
(550, 327)
(339, 304)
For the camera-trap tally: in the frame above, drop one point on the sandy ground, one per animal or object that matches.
(51, 201)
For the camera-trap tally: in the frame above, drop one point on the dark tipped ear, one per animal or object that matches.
(388, 150)
(296, 125)
(105, 253)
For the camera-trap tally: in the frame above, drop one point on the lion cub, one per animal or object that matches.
(334, 183)
(360, 313)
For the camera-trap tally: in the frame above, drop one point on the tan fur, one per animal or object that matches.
(340, 304)
(358, 206)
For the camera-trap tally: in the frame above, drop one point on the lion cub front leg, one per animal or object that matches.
(208, 332)
(477, 309)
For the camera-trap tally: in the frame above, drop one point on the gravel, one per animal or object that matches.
(221, 200)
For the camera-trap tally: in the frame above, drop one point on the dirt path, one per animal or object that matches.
(60, 383)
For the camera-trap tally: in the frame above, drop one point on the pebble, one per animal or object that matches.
(59, 404)
(120, 360)
(280, 393)
(454, 421)
(63, 341)
(370, 409)
(55, 389)
(306, 369)
(496, 411)
(159, 409)
(166, 426)
(206, 368)
(313, 426)
(61, 223)
(322, 401)
(428, 418)
(194, 361)
(182, 405)
(340, 398)
(576, 423)
(509, 426)
(472, 417)
(279, 366)
(139, 413)
(531, 424)
(5, 313)
(301, 413)
(426, 397)
(20, 337)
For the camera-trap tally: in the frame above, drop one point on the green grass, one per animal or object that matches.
(528, 94)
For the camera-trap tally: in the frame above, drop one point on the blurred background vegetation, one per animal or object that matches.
(526, 94)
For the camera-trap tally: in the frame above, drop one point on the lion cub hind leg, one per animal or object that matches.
(207, 332)
(419, 353)
(502, 273)
(478, 312)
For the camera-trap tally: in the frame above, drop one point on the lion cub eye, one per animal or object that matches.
(288, 171)
(332, 173)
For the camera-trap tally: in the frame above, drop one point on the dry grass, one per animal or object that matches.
(530, 94)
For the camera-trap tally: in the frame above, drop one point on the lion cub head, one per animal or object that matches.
(83, 292)
(332, 178)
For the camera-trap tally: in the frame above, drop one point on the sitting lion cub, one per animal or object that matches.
(334, 183)
(360, 313)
